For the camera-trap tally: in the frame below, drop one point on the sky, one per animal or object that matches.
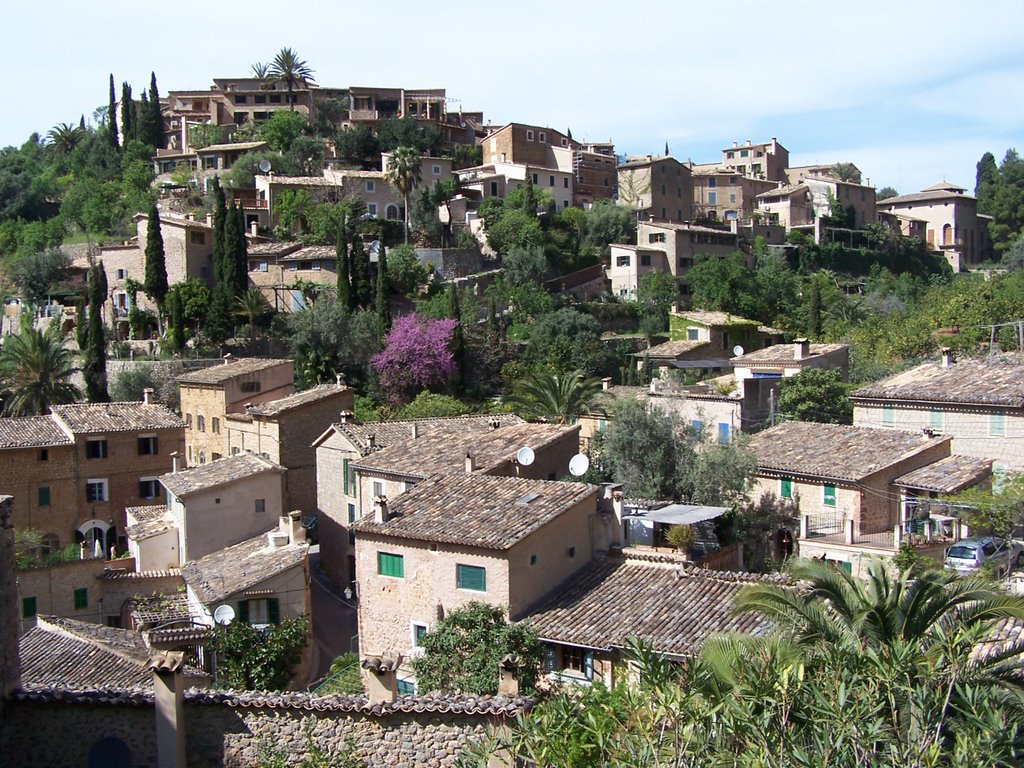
(911, 91)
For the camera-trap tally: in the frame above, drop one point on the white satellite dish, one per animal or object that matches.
(224, 615)
(525, 456)
(579, 464)
(265, 166)
(737, 350)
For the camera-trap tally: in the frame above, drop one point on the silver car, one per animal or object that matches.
(968, 555)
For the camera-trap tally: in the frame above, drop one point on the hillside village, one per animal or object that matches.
(327, 373)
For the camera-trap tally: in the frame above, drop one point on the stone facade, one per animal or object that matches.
(656, 187)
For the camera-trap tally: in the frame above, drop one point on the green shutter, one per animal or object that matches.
(888, 416)
(391, 565)
(274, 611)
(787, 488)
(471, 577)
(997, 424)
(345, 479)
(243, 611)
(44, 496)
(829, 498)
(81, 598)
(28, 607)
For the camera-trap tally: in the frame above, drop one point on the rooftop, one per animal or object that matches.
(835, 451)
(996, 381)
(218, 374)
(686, 227)
(385, 433)
(434, 452)
(783, 191)
(240, 146)
(941, 191)
(948, 475)
(32, 432)
(298, 400)
(312, 252)
(673, 608)
(149, 521)
(157, 610)
(784, 353)
(86, 418)
(240, 567)
(710, 318)
(476, 510)
(671, 348)
(271, 249)
(216, 473)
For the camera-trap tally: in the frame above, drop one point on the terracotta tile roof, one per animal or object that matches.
(783, 191)
(310, 252)
(241, 566)
(64, 653)
(216, 473)
(674, 608)
(271, 249)
(243, 146)
(298, 400)
(437, 452)
(948, 475)
(835, 451)
(476, 510)
(671, 349)
(997, 381)
(681, 227)
(709, 318)
(32, 432)
(387, 433)
(934, 192)
(86, 418)
(157, 609)
(218, 374)
(149, 521)
(784, 353)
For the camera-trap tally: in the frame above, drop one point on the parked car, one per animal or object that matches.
(969, 555)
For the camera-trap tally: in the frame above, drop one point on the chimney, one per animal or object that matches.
(654, 386)
(735, 144)
(345, 416)
(147, 396)
(507, 683)
(296, 533)
(228, 358)
(381, 678)
(190, 216)
(749, 143)
(801, 349)
(175, 456)
(371, 440)
(650, 217)
(209, 219)
(380, 509)
(278, 537)
(415, 430)
(606, 383)
(254, 228)
(947, 357)
(470, 463)
(10, 663)
(169, 700)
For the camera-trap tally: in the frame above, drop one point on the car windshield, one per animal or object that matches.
(962, 552)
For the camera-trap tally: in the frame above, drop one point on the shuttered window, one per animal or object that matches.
(786, 491)
(391, 565)
(829, 497)
(471, 577)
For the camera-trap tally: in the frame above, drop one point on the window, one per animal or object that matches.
(551, 181)
(656, 237)
(494, 189)
(209, 163)
(579, 661)
(732, 198)
(261, 612)
(149, 488)
(730, 155)
(997, 424)
(96, 448)
(249, 386)
(215, 425)
(120, 274)
(43, 496)
(201, 423)
(148, 445)
(260, 98)
(529, 135)
(698, 426)
(371, 208)
(712, 182)
(471, 577)
(685, 262)
(572, 551)
(346, 478)
(95, 490)
(645, 259)
(622, 261)
(535, 179)
(692, 334)
(44, 454)
(723, 433)
(829, 495)
(28, 607)
(712, 198)
(744, 153)
(602, 424)
(419, 631)
(371, 186)
(935, 418)
(260, 506)
(533, 559)
(275, 98)
(196, 237)
(565, 182)
(378, 488)
(391, 565)
(786, 488)
(755, 168)
(542, 136)
(351, 513)
(405, 687)
(241, 98)
(888, 416)
(293, 266)
(315, 266)
(436, 170)
(188, 419)
(81, 598)
(261, 266)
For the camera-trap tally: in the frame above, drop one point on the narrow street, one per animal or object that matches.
(334, 619)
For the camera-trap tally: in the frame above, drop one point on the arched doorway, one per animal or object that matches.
(110, 752)
(98, 535)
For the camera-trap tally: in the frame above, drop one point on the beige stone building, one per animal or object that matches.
(978, 403)
(768, 160)
(780, 361)
(458, 538)
(657, 187)
(72, 473)
(790, 205)
(724, 195)
(496, 180)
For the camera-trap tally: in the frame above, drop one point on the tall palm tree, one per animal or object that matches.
(559, 398)
(36, 368)
(404, 174)
(289, 69)
(64, 137)
(261, 70)
(252, 305)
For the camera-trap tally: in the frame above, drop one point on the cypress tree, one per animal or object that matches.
(81, 325)
(814, 311)
(175, 322)
(220, 214)
(156, 122)
(383, 291)
(95, 369)
(458, 342)
(81, 122)
(341, 254)
(229, 255)
(112, 115)
(361, 290)
(218, 319)
(155, 283)
(492, 316)
(128, 114)
(239, 253)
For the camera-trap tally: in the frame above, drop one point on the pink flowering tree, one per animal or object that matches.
(417, 356)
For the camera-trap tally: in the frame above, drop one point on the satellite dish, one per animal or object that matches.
(265, 166)
(224, 615)
(737, 350)
(525, 456)
(579, 464)
(375, 246)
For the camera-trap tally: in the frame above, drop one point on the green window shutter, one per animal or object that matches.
(274, 611)
(471, 577)
(28, 607)
(345, 478)
(44, 496)
(935, 419)
(81, 598)
(243, 611)
(845, 566)
(829, 498)
(588, 665)
(888, 416)
(997, 424)
(787, 488)
(391, 565)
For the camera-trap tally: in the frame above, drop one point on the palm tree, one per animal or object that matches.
(36, 367)
(559, 398)
(64, 137)
(252, 305)
(404, 174)
(289, 69)
(261, 70)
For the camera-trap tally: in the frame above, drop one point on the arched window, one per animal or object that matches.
(947, 234)
(391, 212)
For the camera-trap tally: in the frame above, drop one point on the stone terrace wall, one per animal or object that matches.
(228, 729)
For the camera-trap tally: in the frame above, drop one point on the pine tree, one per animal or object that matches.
(95, 368)
(383, 291)
(155, 283)
(814, 311)
(128, 114)
(112, 115)
(361, 289)
(341, 253)
(458, 342)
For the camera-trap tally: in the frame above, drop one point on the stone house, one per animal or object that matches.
(979, 403)
(706, 340)
(657, 187)
(767, 160)
(790, 205)
(220, 503)
(498, 179)
(382, 200)
(340, 447)
(722, 194)
(673, 607)
(73, 472)
(457, 538)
